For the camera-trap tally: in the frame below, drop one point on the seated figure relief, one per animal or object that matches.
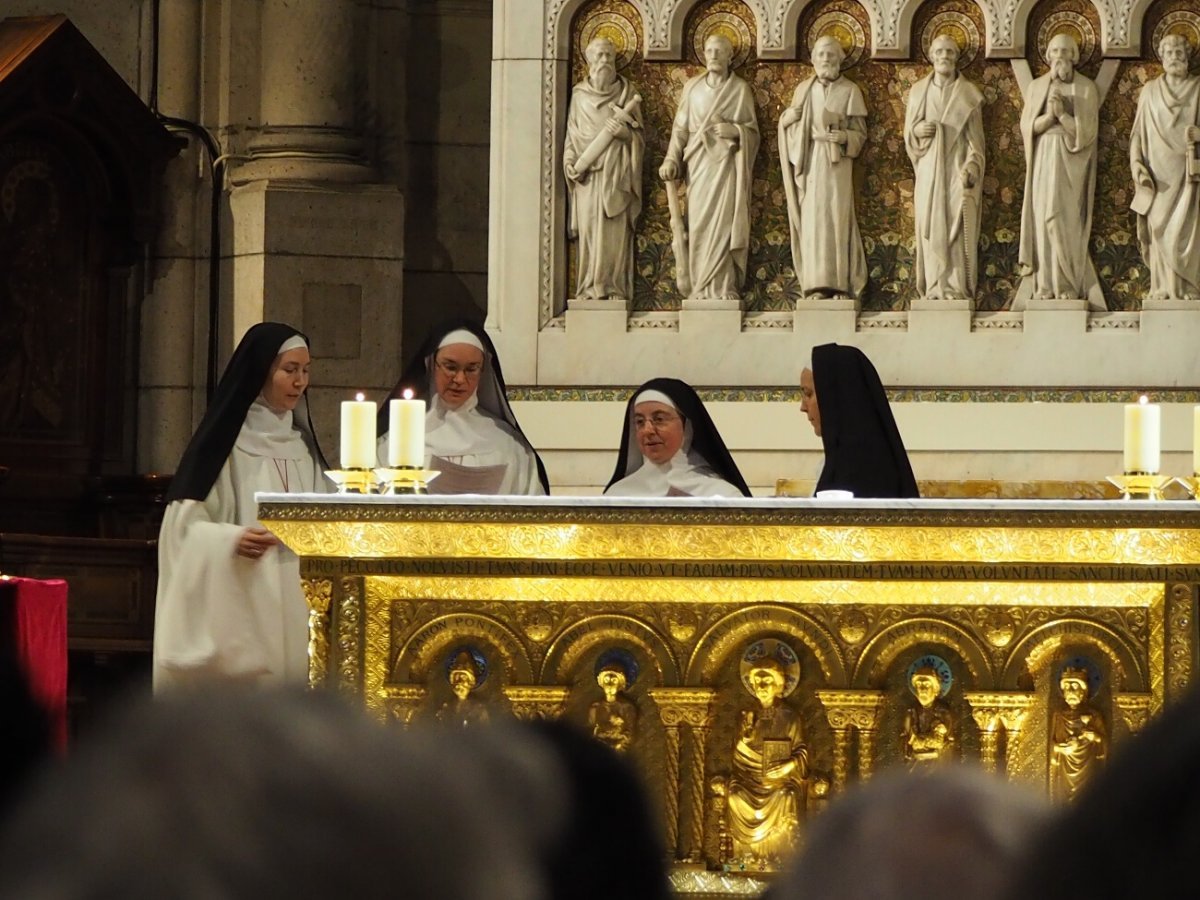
(767, 786)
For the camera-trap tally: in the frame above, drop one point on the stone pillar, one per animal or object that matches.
(846, 710)
(172, 351)
(990, 710)
(307, 101)
(690, 708)
(317, 242)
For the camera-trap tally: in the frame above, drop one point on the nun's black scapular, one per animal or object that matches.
(492, 394)
(864, 452)
(706, 449)
(241, 382)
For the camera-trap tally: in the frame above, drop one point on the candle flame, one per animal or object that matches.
(359, 397)
(1143, 399)
(408, 393)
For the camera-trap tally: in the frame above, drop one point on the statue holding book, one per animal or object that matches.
(766, 789)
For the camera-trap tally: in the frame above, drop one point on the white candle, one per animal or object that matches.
(1143, 433)
(1196, 441)
(406, 432)
(358, 433)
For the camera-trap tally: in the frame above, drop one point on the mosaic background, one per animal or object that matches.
(883, 174)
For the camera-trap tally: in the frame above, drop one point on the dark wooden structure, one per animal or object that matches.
(81, 162)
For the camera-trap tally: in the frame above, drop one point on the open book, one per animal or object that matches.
(460, 479)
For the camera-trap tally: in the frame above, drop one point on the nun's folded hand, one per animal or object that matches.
(254, 542)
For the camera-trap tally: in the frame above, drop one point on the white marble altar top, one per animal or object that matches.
(479, 500)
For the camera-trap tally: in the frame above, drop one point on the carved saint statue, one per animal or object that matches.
(602, 159)
(463, 710)
(928, 731)
(767, 782)
(613, 720)
(821, 133)
(1059, 124)
(714, 140)
(943, 134)
(1078, 739)
(1164, 152)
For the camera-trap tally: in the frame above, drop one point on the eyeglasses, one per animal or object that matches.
(452, 370)
(658, 421)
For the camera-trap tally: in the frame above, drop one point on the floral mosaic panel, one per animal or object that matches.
(883, 175)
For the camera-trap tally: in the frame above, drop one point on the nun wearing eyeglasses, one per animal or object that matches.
(472, 437)
(230, 604)
(670, 447)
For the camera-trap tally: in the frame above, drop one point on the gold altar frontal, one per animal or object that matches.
(999, 601)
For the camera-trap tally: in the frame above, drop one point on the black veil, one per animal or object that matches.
(864, 452)
(241, 382)
(706, 440)
(493, 395)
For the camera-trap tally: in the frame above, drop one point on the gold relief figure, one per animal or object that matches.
(928, 731)
(613, 720)
(463, 710)
(1078, 738)
(766, 787)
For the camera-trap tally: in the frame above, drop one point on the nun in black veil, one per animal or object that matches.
(472, 437)
(845, 402)
(671, 448)
(230, 604)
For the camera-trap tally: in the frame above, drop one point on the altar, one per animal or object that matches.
(427, 607)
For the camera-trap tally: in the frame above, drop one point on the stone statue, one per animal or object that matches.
(767, 783)
(714, 140)
(928, 730)
(613, 720)
(1059, 123)
(1166, 172)
(602, 159)
(943, 134)
(820, 135)
(1078, 740)
(463, 710)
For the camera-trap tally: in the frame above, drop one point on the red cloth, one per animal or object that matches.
(36, 614)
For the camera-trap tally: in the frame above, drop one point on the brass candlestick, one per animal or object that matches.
(1140, 485)
(353, 481)
(1191, 485)
(405, 479)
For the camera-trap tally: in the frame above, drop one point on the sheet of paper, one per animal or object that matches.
(459, 479)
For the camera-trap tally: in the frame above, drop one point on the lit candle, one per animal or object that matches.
(358, 433)
(1196, 441)
(1143, 427)
(406, 432)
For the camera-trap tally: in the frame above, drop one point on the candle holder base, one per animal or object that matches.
(353, 481)
(1191, 485)
(405, 480)
(1140, 485)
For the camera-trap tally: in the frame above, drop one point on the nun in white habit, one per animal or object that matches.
(229, 603)
(670, 447)
(472, 437)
